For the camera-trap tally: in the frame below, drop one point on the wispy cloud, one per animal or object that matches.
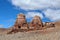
(10, 22)
(1, 26)
(53, 15)
(32, 14)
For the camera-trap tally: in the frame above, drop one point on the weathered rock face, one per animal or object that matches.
(36, 23)
(20, 22)
(22, 25)
(49, 24)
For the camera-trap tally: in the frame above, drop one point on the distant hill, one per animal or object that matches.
(3, 29)
(57, 23)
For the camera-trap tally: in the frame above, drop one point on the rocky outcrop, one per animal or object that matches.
(21, 22)
(49, 24)
(36, 23)
(22, 25)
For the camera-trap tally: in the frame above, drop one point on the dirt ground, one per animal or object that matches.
(46, 34)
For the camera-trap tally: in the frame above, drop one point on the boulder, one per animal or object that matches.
(49, 24)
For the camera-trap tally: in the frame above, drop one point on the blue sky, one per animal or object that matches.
(10, 8)
(7, 13)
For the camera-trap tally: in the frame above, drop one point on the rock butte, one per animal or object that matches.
(36, 24)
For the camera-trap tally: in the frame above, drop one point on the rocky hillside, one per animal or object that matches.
(34, 30)
(46, 34)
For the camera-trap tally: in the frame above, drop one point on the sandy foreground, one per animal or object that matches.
(47, 34)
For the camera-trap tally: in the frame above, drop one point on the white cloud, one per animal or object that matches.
(36, 4)
(53, 14)
(32, 14)
(1, 26)
(10, 22)
(49, 5)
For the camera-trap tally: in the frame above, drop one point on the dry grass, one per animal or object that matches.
(46, 34)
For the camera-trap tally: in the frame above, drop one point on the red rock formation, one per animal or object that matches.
(21, 22)
(22, 25)
(36, 23)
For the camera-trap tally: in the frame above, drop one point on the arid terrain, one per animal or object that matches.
(52, 33)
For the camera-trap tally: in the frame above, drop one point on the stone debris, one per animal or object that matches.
(49, 24)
